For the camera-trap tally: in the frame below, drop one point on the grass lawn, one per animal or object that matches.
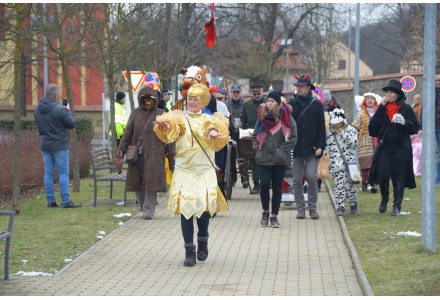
(395, 264)
(43, 238)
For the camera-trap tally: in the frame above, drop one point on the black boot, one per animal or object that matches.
(364, 188)
(398, 188)
(190, 255)
(385, 193)
(202, 248)
(256, 189)
(373, 189)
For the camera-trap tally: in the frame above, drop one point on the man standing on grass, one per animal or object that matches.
(53, 121)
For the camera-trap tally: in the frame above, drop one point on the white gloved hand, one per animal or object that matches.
(398, 119)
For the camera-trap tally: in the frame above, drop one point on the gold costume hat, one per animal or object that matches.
(201, 91)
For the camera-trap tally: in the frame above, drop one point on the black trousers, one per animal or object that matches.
(188, 227)
(274, 175)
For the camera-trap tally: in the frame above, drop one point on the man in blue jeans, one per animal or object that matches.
(53, 121)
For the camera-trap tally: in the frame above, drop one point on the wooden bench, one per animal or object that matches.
(6, 235)
(104, 170)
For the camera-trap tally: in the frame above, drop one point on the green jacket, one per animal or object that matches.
(276, 150)
(248, 116)
(120, 120)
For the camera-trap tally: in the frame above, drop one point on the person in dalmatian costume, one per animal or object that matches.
(348, 142)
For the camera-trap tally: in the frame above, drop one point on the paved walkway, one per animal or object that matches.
(303, 257)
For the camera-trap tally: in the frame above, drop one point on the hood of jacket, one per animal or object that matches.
(46, 104)
(147, 91)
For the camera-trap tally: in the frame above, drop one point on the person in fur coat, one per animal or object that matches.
(346, 135)
(147, 177)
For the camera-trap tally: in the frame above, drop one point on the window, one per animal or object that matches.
(341, 64)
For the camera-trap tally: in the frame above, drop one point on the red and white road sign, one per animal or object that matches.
(137, 77)
(408, 83)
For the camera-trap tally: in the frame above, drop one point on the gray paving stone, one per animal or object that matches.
(145, 257)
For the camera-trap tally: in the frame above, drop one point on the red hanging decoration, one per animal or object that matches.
(210, 32)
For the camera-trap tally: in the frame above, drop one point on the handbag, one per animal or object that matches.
(118, 164)
(135, 151)
(218, 171)
(373, 176)
(322, 172)
(352, 169)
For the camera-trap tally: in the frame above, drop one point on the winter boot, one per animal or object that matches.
(373, 189)
(190, 255)
(256, 189)
(385, 193)
(202, 248)
(364, 188)
(398, 188)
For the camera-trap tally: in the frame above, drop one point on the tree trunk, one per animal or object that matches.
(17, 119)
(73, 134)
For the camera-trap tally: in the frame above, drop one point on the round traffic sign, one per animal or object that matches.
(408, 83)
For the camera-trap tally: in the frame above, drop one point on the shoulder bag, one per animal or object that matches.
(135, 151)
(218, 171)
(353, 174)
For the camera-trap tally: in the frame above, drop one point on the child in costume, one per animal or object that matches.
(346, 136)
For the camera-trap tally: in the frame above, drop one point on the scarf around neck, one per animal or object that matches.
(270, 125)
(392, 109)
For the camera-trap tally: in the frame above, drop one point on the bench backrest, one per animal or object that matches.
(101, 160)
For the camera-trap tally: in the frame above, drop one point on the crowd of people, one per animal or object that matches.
(384, 142)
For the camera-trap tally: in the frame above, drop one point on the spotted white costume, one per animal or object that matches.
(347, 138)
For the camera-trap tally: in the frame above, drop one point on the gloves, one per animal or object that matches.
(398, 119)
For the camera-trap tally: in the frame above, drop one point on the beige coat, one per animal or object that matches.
(365, 150)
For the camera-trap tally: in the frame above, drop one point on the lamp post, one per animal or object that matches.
(286, 43)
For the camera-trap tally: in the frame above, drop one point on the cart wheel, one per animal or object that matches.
(228, 179)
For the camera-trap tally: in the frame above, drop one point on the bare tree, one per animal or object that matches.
(66, 38)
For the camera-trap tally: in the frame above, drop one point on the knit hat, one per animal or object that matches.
(222, 91)
(327, 95)
(213, 89)
(275, 95)
(337, 116)
(120, 96)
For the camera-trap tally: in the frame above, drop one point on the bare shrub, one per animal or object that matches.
(32, 166)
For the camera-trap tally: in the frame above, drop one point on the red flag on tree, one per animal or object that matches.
(211, 35)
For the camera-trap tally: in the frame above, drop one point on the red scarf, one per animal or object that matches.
(392, 109)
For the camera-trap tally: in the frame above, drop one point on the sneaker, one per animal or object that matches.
(354, 209)
(264, 218)
(340, 211)
(245, 184)
(274, 222)
(314, 214)
(301, 214)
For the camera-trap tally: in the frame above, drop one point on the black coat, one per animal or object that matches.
(397, 133)
(310, 127)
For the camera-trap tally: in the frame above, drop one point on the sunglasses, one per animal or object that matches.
(219, 98)
(236, 92)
